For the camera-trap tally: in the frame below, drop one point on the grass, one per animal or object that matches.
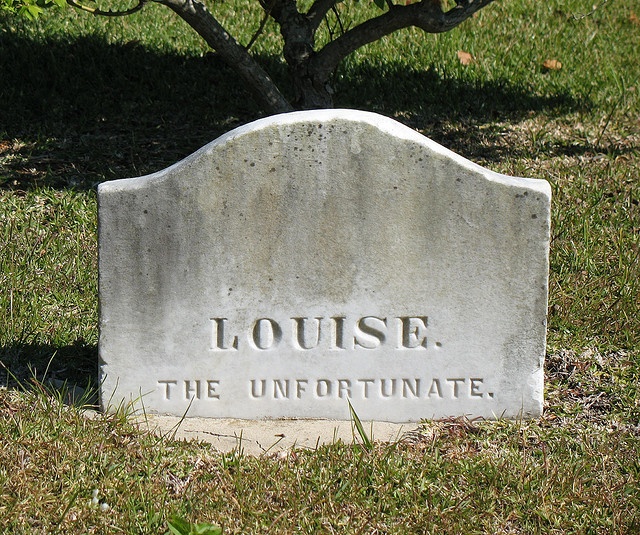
(450, 477)
(85, 100)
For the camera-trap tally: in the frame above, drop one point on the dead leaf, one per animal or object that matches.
(552, 65)
(634, 19)
(465, 58)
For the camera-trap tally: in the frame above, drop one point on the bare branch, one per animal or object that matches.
(335, 11)
(109, 13)
(426, 15)
(318, 10)
(196, 15)
(263, 22)
(463, 10)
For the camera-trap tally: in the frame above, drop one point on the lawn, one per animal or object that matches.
(552, 92)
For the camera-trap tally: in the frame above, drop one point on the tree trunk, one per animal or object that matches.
(311, 70)
(312, 93)
(196, 15)
(298, 32)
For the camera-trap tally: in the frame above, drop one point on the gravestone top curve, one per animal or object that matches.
(311, 258)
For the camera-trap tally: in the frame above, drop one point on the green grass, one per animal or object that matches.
(48, 276)
(83, 100)
(452, 477)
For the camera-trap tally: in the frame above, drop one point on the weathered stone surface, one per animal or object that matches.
(317, 256)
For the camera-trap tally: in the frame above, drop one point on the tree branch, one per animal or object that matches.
(463, 10)
(263, 22)
(99, 12)
(295, 29)
(426, 15)
(318, 10)
(196, 15)
(281, 10)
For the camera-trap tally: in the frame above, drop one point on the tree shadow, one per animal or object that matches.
(463, 114)
(85, 111)
(74, 113)
(74, 365)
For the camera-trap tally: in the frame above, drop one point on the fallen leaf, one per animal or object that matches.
(634, 19)
(552, 65)
(465, 58)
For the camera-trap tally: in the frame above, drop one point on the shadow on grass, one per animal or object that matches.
(458, 111)
(21, 363)
(76, 113)
(80, 112)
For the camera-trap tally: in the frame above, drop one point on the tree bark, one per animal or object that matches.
(196, 15)
(298, 31)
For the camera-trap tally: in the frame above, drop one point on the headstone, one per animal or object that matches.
(311, 258)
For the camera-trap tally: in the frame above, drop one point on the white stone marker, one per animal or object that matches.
(314, 257)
